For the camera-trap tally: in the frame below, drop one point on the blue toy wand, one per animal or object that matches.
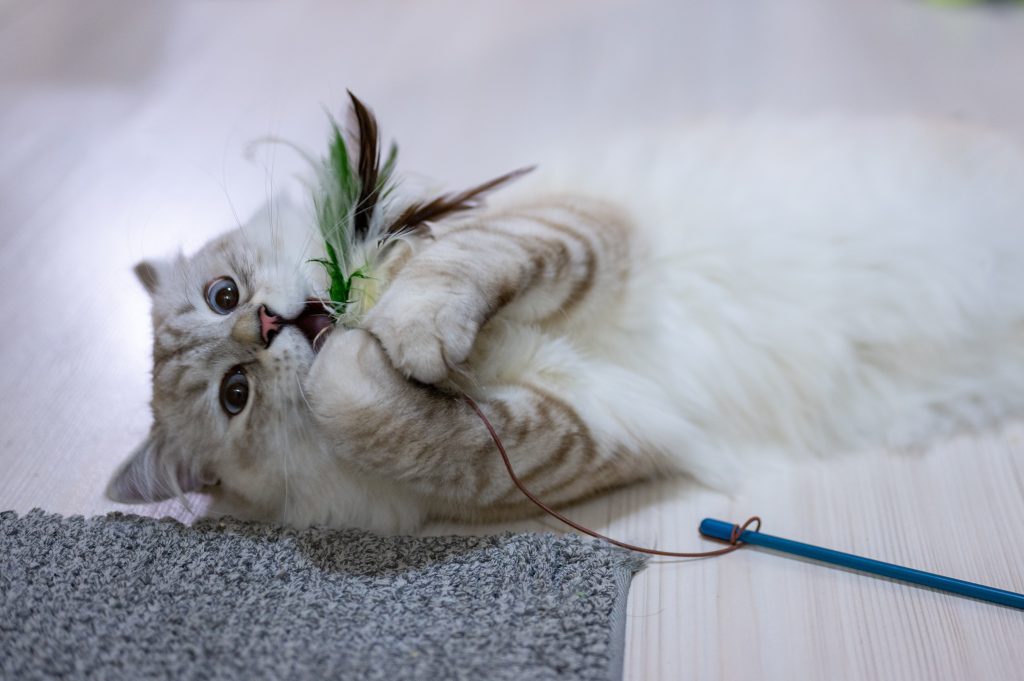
(718, 529)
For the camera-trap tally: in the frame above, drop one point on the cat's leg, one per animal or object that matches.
(552, 263)
(434, 444)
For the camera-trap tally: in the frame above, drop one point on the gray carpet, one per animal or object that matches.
(124, 597)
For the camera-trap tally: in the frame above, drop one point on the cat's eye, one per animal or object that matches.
(234, 391)
(222, 295)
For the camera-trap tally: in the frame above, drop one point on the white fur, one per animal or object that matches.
(807, 288)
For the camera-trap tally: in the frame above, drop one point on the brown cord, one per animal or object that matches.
(734, 540)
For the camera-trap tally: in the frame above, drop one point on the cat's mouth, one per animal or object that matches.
(315, 323)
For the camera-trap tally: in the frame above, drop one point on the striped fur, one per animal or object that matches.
(544, 268)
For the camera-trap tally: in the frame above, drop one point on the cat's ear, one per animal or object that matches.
(148, 274)
(153, 473)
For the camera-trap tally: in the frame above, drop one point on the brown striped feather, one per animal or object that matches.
(427, 211)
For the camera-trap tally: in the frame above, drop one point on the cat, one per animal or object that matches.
(708, 297)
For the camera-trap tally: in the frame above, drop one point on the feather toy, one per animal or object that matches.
(358, 212)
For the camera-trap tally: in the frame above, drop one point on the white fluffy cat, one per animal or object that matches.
(698, 297)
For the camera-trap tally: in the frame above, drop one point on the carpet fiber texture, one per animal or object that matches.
(138, 598)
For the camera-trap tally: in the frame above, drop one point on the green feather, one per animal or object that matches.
(334, 200)
(352, 256)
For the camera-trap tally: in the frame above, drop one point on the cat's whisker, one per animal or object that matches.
(223, 182)
(271, 204)
(185, 272)
(302, 393)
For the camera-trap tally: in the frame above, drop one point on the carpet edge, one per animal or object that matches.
(617, 628)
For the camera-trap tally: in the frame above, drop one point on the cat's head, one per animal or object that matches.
(232, 341)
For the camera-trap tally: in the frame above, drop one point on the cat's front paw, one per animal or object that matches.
(426, 332)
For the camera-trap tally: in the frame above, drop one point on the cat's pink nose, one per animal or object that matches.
(270, 324)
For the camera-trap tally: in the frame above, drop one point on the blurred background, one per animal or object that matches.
(123, 131)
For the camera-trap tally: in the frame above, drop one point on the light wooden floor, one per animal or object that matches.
(122, 127)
